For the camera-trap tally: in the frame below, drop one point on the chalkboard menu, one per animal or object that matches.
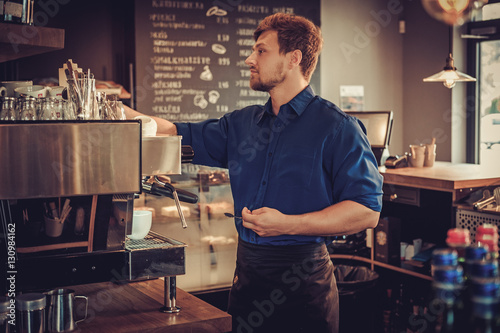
(190, 55)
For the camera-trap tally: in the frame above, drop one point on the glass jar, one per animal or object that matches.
(28, 109)
(48, 109)
(9, 111)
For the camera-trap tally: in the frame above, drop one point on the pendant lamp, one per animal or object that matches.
(452, 12)
(449, 75)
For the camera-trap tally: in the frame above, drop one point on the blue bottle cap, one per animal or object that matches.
(475, 252)
(444, 257)
(483, 269)
(449, 274)
(486, 287)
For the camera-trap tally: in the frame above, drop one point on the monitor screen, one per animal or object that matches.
(378, 126)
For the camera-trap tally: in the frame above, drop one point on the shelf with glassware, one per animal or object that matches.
(210, 236)
(20, 40)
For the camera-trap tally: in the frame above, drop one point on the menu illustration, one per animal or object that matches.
(190, 55)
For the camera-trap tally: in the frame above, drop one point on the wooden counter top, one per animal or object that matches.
(443, 176)
(134, 307)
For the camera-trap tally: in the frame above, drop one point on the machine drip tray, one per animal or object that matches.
(151, 241)
(155, 256)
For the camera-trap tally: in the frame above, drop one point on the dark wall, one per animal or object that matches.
(98, 35)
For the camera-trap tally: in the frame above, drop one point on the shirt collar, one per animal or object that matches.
(298, 103)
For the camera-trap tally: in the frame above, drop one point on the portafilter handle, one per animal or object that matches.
(166, 189)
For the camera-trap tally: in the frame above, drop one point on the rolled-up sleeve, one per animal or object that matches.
(208, 140)
(357, 177)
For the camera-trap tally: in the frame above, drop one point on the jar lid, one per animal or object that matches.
(30, 302)
(487, 229)
(4, 303)
(458, 236)
(491, 243)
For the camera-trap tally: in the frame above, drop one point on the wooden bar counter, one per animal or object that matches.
(457, 178)
(134, 307)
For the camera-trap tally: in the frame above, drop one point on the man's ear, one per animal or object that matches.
(296, 58)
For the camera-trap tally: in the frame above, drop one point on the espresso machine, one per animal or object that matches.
(93, 170)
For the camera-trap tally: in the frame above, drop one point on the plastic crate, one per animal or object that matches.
(470, 219)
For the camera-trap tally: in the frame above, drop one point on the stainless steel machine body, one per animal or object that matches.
(106, 161)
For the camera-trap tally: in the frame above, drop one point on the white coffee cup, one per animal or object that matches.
(141, 224)
(7, 87)
(56, 92)
(36, 91)
(149, 125)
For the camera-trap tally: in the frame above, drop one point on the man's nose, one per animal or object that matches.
(249, 61)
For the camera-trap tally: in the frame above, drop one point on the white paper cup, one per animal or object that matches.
(410, 252)
(417, 156)
(430, 155)
(403, 247)
(53, 227)
(141, 224)
(149, 125)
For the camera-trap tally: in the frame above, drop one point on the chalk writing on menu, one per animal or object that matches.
(190, 55)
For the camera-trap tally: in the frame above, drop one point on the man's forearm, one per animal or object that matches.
(343, 218)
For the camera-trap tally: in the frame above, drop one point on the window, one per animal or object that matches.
(484, 61)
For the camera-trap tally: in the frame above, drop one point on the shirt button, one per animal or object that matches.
(264, 182)
(270, 154)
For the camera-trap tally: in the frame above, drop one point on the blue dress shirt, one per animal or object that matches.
(308, 157)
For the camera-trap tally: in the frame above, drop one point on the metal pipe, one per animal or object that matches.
(169, 299)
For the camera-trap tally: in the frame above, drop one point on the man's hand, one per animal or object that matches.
(343, 218)
(265, 221)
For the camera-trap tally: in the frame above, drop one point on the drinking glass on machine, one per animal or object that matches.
(67, 109)
(106, 112)
(9, 111)
(82, 94)
(48, 109)
(28, 109)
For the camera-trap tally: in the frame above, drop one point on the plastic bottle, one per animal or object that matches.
(485, 303)
(447, 286)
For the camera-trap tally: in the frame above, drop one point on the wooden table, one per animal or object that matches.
(134, 307)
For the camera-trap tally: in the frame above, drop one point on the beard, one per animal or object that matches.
(266, 85)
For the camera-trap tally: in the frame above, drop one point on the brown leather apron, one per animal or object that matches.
(284, 289)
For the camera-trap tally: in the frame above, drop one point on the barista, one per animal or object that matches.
(300, 170)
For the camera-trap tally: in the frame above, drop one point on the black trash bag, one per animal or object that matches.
(352, 278)
(358, 298)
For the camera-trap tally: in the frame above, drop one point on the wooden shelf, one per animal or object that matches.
(67, 244)
(381, 264)
(19, 41)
